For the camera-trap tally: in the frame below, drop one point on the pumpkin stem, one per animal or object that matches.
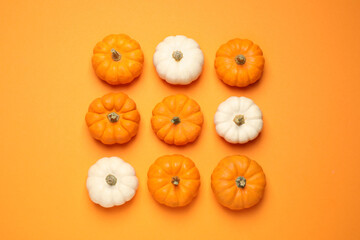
(240, 59)
(116, 56)
(175, 180)
(177, 55)
(239, 120)
(113, 117)
(111, 180)
(240, 182)
(175, 120)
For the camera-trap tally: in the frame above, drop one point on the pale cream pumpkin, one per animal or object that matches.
(111, 182)
(238, 120)
(178, 60)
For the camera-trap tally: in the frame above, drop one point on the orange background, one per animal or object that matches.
(309, 95)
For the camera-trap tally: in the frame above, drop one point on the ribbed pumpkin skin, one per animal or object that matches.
(223, 182)
(189, 114)
(234, 74)
(160, 176)
(121, 71)
(121, 131)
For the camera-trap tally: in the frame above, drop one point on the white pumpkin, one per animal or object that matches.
(178, 60)
(111, 182)
(238, 120)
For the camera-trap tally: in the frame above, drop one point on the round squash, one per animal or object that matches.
(111, 182)
(178, 60)
(113, 118)
(238, 182)
(177, 120)
(238, 120)
(239, 62)
(117, 59)
(173, 180)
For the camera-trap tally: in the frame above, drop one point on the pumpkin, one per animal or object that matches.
(239, 62)
(178, 60)
(173, 180)
(177, 120)
(238, 182)
(117, 59)
(113, 118)
(238, 120)
(111, 182)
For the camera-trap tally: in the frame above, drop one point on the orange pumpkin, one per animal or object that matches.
(113, 118)
(177, 120)
(239, 62)
(118, 59)
(238, 182)
(173, 180)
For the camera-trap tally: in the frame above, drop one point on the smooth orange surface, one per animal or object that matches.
(309, 95)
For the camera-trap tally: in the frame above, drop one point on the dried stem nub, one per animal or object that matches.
(175, 180)
(115, 55)
(111, 180)
(175, 120)
(177, 55)
(113, 117)
(239, 120)
(240, 59)
(240, 182)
